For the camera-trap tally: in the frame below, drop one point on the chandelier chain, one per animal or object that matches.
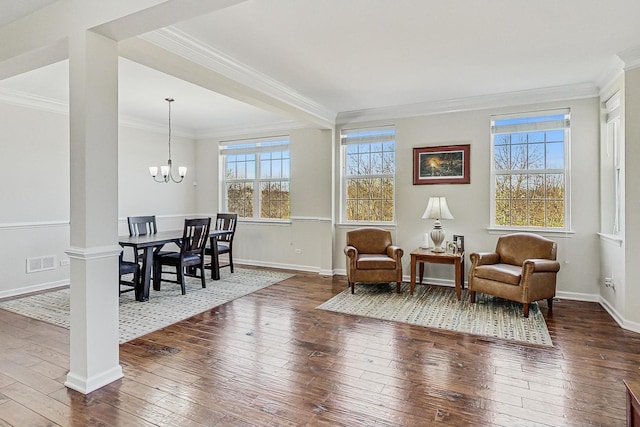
(169, 100)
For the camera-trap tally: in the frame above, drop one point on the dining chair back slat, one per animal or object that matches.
(141, 225)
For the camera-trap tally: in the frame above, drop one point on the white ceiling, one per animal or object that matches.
(351, 55)
(11, 10)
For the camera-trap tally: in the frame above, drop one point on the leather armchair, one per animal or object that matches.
(523, 268)
(371, 257)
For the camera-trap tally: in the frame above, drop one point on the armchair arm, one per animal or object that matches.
(395, 252)
(352, 255)
(351, 252)
(534, 265)
(484, 258)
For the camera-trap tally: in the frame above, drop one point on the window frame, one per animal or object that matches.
(344, 143)
(566, 171)
(257, 147)
(614, 159)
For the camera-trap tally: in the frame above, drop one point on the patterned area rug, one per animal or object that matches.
(164, 307)
(438, 307)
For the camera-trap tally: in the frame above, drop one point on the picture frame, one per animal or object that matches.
(458, 238)
(445, 164)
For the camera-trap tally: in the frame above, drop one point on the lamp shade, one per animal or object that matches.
(437, 208)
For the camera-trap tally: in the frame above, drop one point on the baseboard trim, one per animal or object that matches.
(575, 296)
(86, 385)
(621, 321)
(283, 266)
(34, 288)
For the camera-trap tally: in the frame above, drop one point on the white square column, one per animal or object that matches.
(93, 113)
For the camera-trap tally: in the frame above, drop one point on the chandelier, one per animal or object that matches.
(165, 171)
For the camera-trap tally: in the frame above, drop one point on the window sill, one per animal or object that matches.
(541, 231)
(259, 221)
(611, 238)
(366, 224)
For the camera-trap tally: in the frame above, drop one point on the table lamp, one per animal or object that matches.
(436, 209)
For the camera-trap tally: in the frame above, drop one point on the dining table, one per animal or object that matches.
(153, 242)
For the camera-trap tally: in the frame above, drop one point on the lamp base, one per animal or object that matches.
(437, 235)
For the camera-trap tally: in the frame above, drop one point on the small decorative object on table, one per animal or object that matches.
(452, 248)
(459, 240)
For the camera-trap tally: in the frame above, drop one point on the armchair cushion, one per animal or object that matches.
(506, 273)
(375, 262)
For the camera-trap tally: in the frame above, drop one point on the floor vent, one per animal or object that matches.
(41, 263)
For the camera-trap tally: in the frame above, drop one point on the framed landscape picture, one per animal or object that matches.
(445, 164)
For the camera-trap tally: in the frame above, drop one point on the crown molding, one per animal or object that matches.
(533, 96)
(630, 57)
(244, 129)
(28, 100)
(178, 42)
(146, 125)
(613, 70)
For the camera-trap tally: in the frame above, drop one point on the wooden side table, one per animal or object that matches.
(633, 404)
(423, 256)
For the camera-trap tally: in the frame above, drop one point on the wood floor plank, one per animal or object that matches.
(14, 414)
(272, 359)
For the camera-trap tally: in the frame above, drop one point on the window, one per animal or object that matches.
(257, 164)
(611, 168)
(368, 158)
(530, 170)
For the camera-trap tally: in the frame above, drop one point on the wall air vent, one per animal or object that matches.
(42, 263)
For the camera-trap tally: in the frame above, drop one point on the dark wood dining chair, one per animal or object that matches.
(227, 222)
(126, 268)
(191, 255)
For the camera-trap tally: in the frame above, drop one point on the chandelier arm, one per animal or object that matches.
(174, 180)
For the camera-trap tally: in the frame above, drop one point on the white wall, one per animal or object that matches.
(138, 194)
(612, 263)
(34, 195)
(632, 197)
(469, 203)
(310, 228)
(619, 253)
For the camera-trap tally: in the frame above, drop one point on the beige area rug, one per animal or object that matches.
(164, 307)
(438, 307)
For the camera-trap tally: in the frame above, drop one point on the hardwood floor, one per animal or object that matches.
(271, 359)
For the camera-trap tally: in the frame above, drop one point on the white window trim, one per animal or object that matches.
(222, 202)
(567, 229)
(343, 180)
(613, 134)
